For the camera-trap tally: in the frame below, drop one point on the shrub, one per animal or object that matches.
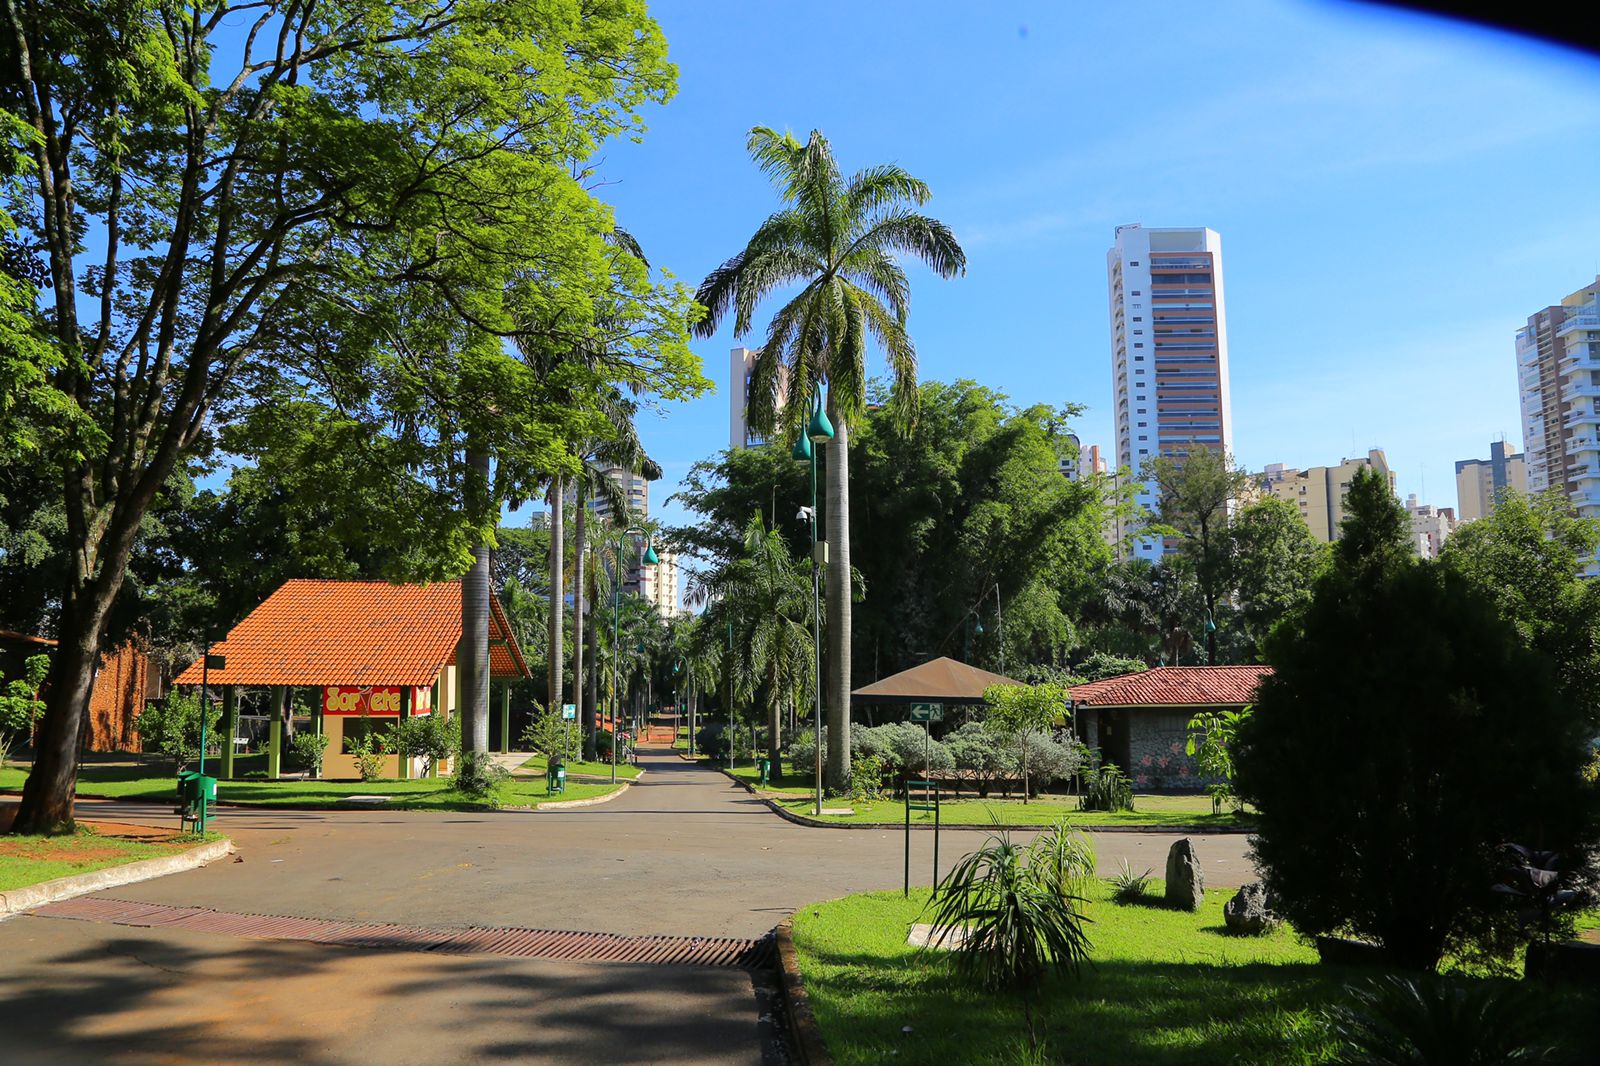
(976, 747)
(1015, 924)
(553, 737)
(309, 748)
(431, 737)
(1106, 789)
(711, 741)
(1048, 759)
(1397, 697)
(1065, 858)
(369, 746)
(901, 746)
(478, 776)
(1127, 886)
(1408, 1021)
(171, 726)
(20, 706)
(867, 776)
(1102, 665)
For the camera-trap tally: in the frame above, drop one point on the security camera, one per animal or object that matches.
(804, 515)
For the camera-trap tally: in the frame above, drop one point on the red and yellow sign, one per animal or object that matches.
(376, 700)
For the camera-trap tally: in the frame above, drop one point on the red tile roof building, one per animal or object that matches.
(1174, 686)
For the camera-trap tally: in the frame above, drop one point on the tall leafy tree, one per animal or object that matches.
(1196, 491)
(1529, 554)
(1273, 563)
(257, 190)
(837, 239)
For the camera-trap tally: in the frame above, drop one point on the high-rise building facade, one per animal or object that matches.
(635, 487)
(1558, 377)
(1479, 482)
(659, 584)
(1318, 492)
(1169, 350)
(741, 364)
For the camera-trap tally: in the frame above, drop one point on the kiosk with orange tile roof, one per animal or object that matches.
(373, 651)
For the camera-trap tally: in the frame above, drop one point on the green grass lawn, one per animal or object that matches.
(137, 782)
(29, 860)
(1191, 811)
(1167, 988)
(537, 765)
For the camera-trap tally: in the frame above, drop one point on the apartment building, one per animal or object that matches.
(1430, 526)
(1479, 482)
(1558, 378)
(1318, 492)
(1169, 350)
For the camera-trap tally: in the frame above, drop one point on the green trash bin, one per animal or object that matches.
(555, 780)
(766, 771)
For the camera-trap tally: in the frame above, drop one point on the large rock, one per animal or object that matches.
(1186, 882)
(1249, 912)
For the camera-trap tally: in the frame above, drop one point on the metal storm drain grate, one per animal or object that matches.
(730, 952)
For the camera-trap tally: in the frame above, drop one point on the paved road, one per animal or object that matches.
(683, 852)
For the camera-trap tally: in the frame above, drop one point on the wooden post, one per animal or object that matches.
(230, 726)
(280, 695)
(505, 715)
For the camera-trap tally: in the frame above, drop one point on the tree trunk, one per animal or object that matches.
(837, 695)
(579, 547)
(774, 724)
(558, 563)
(48, 794)
(591, 749)
(473, 660)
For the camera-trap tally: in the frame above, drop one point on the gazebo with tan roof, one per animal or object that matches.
(376, 653)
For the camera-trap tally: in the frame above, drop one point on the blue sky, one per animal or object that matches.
(1395, 196)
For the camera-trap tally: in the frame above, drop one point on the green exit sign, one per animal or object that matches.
(927, 712)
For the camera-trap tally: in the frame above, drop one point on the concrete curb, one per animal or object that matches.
(567, 805)
(30, 896)
(805, 1033)
(814, 823)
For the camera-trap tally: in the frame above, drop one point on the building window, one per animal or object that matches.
(1136, 292)
(1138, 344)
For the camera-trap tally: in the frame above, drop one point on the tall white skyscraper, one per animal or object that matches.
(741, 364)
(1169, 350)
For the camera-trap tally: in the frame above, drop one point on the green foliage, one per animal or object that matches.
(478, 776)
(1212, 735)
(310, 748)
(1064, 859)
(430, 737)
(20, 705)
(1019, 712)
(1102, 665)
(1273, 563)
(1375, 534)
(868, 773)
(370, 746)
(1106, 788)
(1011, 918)
(1127, 886)
(904, 747)
(171, 726)
(557, 739)
(1396, 696)
(1528, 555)
(1411, 1021)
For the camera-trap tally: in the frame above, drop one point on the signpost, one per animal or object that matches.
(927, 799)
(926, 713)
(569, 712)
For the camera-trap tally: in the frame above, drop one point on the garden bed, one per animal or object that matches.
(1164, 987)
(30, 860)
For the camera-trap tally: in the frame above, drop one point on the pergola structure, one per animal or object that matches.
(375, 653)
(941, 680)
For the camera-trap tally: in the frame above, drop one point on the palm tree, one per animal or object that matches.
(837, 239)
(766, 593)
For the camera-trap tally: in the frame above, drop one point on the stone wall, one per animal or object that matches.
(1155, 742)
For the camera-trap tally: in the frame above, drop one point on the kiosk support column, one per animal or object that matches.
(280, 695)
(403, 759)
(230, 727)
(505, 716)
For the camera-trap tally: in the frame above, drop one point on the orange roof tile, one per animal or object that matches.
(313, 632)
(1174, 686)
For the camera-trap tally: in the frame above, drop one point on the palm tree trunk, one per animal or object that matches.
(581, 539)
(837, 772)
(591, 748)
(774, 724)
(474, 656)
(558, 562)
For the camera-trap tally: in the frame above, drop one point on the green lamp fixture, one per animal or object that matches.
(820, 430)
(802, 449)
(650, 556)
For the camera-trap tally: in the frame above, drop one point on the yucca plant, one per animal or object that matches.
(1064, 857)
(1009, 922)
(1127, 886)
(1423, 1021)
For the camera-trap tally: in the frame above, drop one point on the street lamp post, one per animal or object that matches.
(650, 558)
(817, 433)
